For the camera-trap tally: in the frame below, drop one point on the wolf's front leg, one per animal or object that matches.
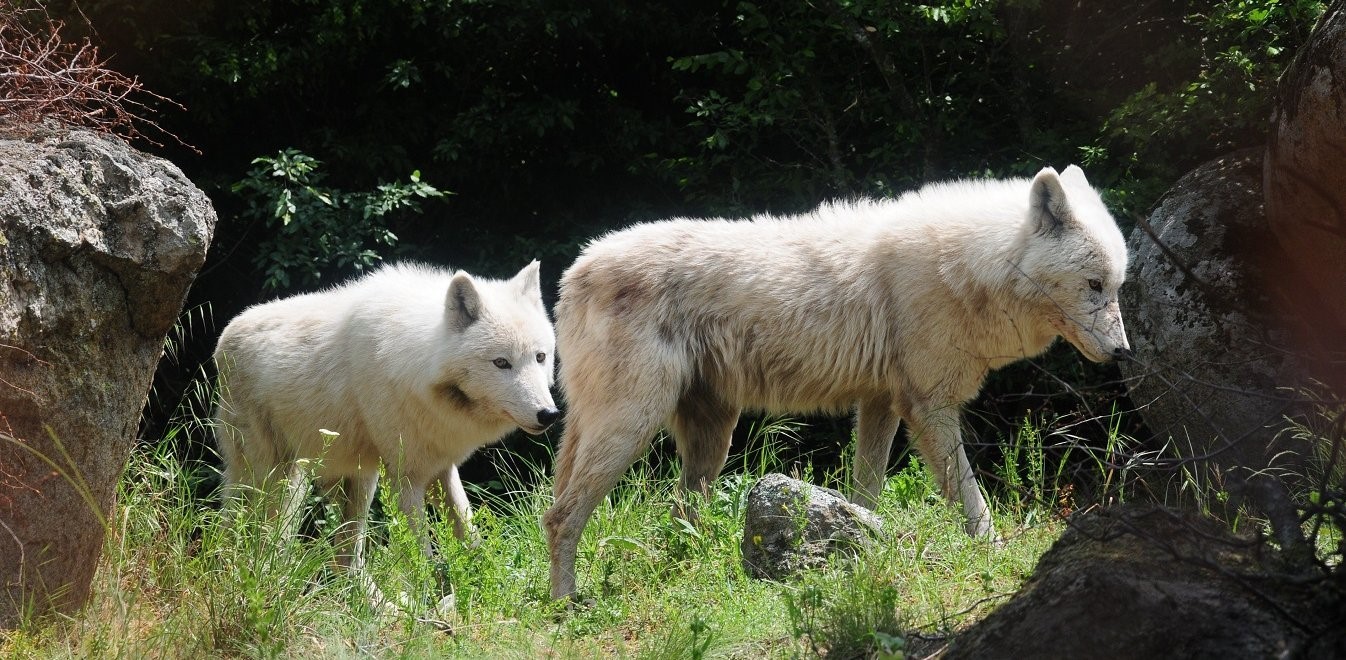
(940, 442)
(352, 495)
(411, 502)
(451, 499)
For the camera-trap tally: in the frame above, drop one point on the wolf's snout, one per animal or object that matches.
(547, 416)
(1122, 354)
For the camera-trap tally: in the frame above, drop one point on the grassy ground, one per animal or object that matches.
(176, 581)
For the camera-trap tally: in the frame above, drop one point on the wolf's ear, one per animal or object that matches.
(528, 282)
(1075, 175)
(462, 305)
(1048, 209)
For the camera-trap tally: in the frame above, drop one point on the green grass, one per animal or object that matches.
(179, 578)
(177, 581)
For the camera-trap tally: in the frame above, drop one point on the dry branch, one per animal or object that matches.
(44, 77)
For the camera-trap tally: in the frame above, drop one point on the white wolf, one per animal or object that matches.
(412, 366)
(896, 309)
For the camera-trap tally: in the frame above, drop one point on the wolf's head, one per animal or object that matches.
(506, 348)
(1073, 263)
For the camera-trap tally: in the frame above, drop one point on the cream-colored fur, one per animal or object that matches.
(412, 366)
(896, 309)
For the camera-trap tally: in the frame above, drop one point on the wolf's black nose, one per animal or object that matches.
(1122, 353)
(546, 416)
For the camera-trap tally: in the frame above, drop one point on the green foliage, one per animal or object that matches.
(1244, 46)
(312, 229)
(557, 121)
(1326, 506)
(860, 621)
(805, 102)
(1238, 53)
(181, 578)
(684, 639)
(1024, 472)
(242, 584)
(911, 486)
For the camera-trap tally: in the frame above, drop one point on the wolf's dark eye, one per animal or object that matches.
(501, 363)
(1096, 285)
(541, 357)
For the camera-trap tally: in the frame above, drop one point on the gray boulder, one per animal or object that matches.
(1209, 376)
(792, 526)
(98, 246)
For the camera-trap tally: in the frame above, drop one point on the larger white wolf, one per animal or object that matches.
(413, 367)
(895, 309)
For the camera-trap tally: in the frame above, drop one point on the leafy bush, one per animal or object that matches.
(1238, 53)
(311, 229)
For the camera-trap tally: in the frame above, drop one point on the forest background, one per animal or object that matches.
(334, 135)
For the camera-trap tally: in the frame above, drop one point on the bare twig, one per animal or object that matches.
(44, 77)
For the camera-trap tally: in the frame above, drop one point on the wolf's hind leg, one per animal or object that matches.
(595, 462)
(703, 429)
(876, 423)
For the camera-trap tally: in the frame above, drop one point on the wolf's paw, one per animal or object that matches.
(381, 603)
(471, 541)
(443, 614)
(567, 605)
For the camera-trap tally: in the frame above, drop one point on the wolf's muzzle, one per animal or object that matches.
(548, 416)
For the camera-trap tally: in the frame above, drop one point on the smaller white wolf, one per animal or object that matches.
(410, 366)
(894, 309)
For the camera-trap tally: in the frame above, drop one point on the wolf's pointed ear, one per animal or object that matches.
(1073, 174)
(528, 281)
(462, 305)
(1048, 209)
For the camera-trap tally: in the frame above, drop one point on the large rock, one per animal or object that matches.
(1210, 374)
(98, 245)
(1306, 194)
(1146, 582)
(792, 526)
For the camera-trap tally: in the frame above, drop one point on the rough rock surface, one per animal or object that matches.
(792, 526)
(1209, 370)
(98, 245)
(1306, 193)
(1146, 582)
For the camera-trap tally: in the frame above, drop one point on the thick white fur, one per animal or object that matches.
(400, 364)
(897, 309)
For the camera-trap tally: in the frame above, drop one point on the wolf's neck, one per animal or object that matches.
(982, 258)
(982, 268)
